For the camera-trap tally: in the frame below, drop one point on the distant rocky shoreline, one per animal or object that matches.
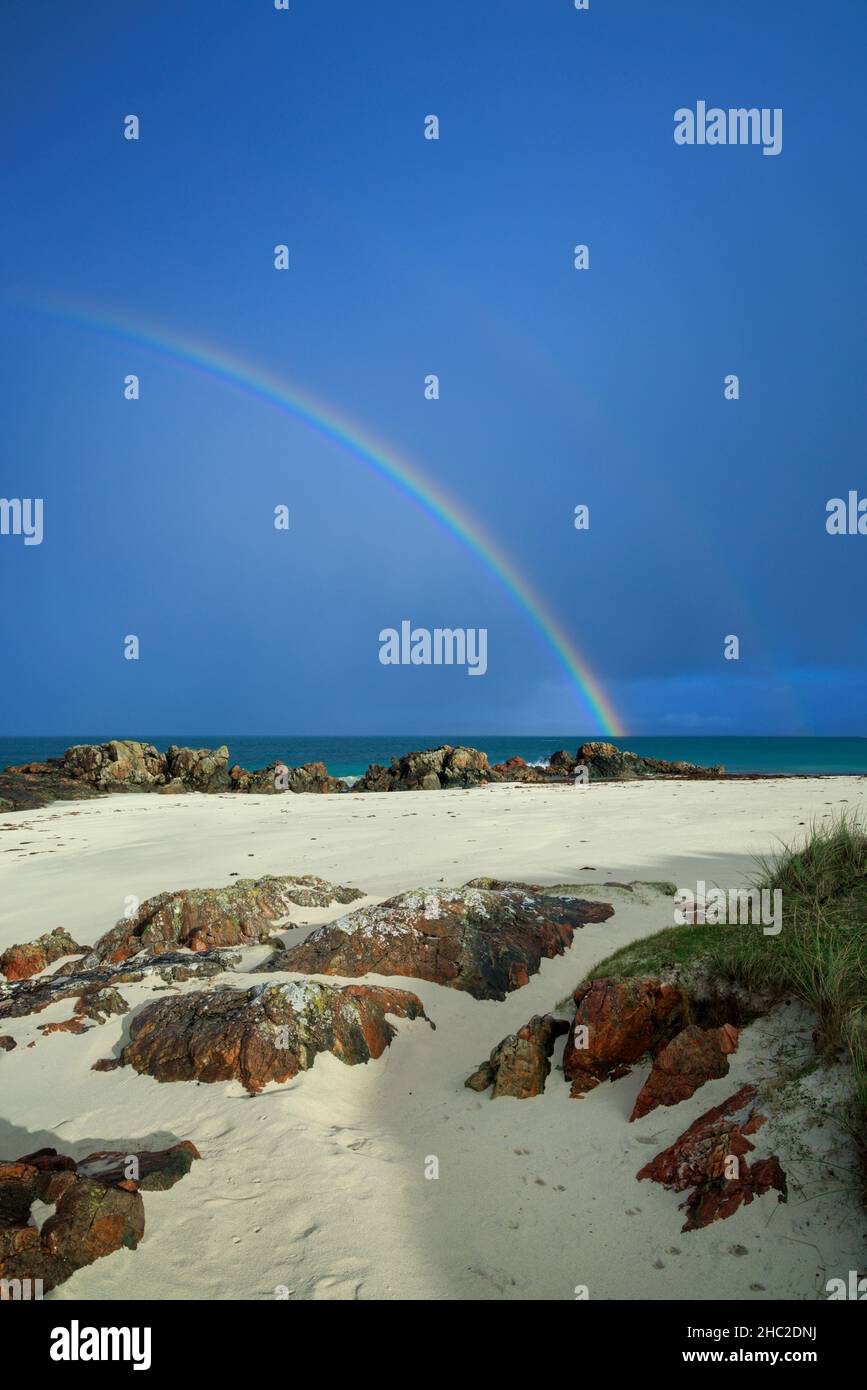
(124, 765)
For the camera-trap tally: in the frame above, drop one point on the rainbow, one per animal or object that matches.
(381, 460)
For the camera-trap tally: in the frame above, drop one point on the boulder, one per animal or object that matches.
(267, 1033)
(519, 1065)
(21, 961)
(242, 914)
(89, 1222)
(97, 1209)
(120, 765)
(562, 762)
(710, 1158)
(309, 777)
(152, 1171)
(472, 939)
(608, 762)
(624, 1020)
(428, 770)
(517, 770)
(693, 1056)
(199, 769)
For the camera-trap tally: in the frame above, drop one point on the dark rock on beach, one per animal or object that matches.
(33, 785)
(429, 770)
(473, 939)
(710, 1158)
(606, 762)
(97, 1209)
(198, 769)
(152, 1171)
(519, 1065)
(563, 762)
(267, 1033)
(94, 983)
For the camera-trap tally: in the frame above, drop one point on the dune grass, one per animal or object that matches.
(821, 953)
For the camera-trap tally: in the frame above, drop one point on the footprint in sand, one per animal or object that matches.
(332, 1286)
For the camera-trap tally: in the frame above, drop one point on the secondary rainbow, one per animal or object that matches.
(382, 460)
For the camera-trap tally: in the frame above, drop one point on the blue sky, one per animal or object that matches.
(558, 387)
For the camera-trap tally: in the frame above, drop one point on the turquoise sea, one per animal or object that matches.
(349, 757)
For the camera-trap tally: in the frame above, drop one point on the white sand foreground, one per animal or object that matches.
(317, 1188)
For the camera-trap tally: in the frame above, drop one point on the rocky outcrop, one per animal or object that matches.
(519, 1065)
(279, 777)
(607, 762)
(693, 1056)
(546, 890)
(97, 1210)
(710, 1158)
(199, 769)
(95, 1004)
(32, 785)
(617, 1022)
(21, 961)
(484, 942)
(127, 765)
(562, 762)
(89, 1222)
(203, 919)
(268, 1033)
(517, 770)
(120, 765)
(429, 770)
(92, 984)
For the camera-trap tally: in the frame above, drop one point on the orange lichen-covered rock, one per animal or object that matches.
(21, 961)
(616, 1023)
(268, 1033)
(693, 1056)
(487, 942)
(710, 1158)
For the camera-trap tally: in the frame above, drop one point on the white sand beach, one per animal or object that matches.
(316, 1189)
